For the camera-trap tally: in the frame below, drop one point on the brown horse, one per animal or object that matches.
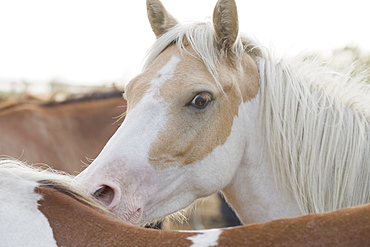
(42, 209)
(60, 134)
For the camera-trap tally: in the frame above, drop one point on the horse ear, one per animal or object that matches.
(159, 18)
(225, 22)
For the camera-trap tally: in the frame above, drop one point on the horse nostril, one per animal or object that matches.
(104, 194)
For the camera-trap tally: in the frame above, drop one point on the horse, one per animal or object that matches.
(61, 134)
(40, 208)
(213, 110)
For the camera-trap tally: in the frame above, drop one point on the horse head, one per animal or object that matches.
(181, 139)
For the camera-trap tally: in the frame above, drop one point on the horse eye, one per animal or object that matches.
(201, 100)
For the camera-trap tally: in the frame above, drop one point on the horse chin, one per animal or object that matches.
(132, 216)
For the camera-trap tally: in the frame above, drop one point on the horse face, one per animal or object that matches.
(197, 116)
(180, 139)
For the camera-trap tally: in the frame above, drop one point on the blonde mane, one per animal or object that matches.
(316, 121)
(15, 169)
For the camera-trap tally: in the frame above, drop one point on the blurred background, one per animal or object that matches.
(53, 45)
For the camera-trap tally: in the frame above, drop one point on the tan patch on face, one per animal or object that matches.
(136, 89)
(250, 81)
(191, 134)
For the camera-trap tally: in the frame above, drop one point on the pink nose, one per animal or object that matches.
(106, 195)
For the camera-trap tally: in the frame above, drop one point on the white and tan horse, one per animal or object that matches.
(40, 208)
(212, 110)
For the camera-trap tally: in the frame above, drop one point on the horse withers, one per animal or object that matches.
(213, 110)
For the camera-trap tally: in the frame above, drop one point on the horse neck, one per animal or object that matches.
(76, 224)
(254, 192)
(317, 136)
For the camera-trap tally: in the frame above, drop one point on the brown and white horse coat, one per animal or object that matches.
(40, 208)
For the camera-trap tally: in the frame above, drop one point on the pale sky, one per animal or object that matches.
(92, 42)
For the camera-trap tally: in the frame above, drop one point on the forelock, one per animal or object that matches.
(200, 36)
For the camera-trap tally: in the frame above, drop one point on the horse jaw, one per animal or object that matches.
(254, 192)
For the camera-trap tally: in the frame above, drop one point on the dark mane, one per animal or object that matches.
(71, 98)
(76, 98)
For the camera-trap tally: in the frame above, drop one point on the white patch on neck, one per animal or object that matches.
(207, 238)
(253, 191)
(22, 224)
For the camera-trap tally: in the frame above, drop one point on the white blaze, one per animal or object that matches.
(150, 111)
(134, 136)
(125, 156)
(165, 74)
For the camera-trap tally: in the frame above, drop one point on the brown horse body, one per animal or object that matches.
(75, 224)
(61, 135)
(62, 216)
